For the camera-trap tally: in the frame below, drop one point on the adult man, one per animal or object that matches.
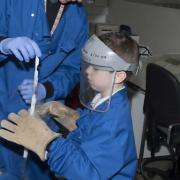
(25, 33)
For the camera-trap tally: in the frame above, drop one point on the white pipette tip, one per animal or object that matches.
(33, 101)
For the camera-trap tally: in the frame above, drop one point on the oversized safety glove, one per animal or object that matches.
(28, 131)
(26, 90)
(61, 113)
(22, 47)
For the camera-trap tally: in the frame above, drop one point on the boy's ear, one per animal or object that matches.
(120, 77)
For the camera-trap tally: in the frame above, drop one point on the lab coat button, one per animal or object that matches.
(32, 14)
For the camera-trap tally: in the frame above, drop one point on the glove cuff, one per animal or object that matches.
(48, 138)
(49, 89)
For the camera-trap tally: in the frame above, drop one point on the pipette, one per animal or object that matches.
(34, 98)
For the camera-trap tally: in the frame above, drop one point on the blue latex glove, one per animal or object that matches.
(22, 47)
(26, 90)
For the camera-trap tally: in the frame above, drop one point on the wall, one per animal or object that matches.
(97, 11)
(158, 27)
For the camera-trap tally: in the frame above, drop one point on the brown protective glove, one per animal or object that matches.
(61, 113)
(28, 131)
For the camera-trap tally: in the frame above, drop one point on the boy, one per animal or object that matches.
(101, 146)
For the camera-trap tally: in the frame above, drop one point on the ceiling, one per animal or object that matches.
(165, 3)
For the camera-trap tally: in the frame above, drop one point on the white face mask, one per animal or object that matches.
(100, 81)
(96, 85)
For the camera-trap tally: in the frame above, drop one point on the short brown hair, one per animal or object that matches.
(123, 45)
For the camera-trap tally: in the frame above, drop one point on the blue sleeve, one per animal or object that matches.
(63, 81)
(67, 160)
(4, 17)
(4, 14)
(67, 73)
(103, 151)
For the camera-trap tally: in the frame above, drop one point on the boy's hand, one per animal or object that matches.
(61, 113)
(28, 131)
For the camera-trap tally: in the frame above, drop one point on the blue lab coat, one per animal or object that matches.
(101, 148)
(60, 63)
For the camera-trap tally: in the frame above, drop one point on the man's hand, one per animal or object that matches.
(28, 131)
(22, 47)
(26, 90)
(61, 113)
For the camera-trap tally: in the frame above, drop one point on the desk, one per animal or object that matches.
(137, 87)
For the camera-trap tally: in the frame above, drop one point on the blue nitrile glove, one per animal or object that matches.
(22, 47)
(26, 90)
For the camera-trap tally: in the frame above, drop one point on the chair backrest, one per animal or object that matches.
(162, 97)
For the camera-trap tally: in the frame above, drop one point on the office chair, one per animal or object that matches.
(162, 122)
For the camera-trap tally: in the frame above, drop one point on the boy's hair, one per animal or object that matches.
(123, 45)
